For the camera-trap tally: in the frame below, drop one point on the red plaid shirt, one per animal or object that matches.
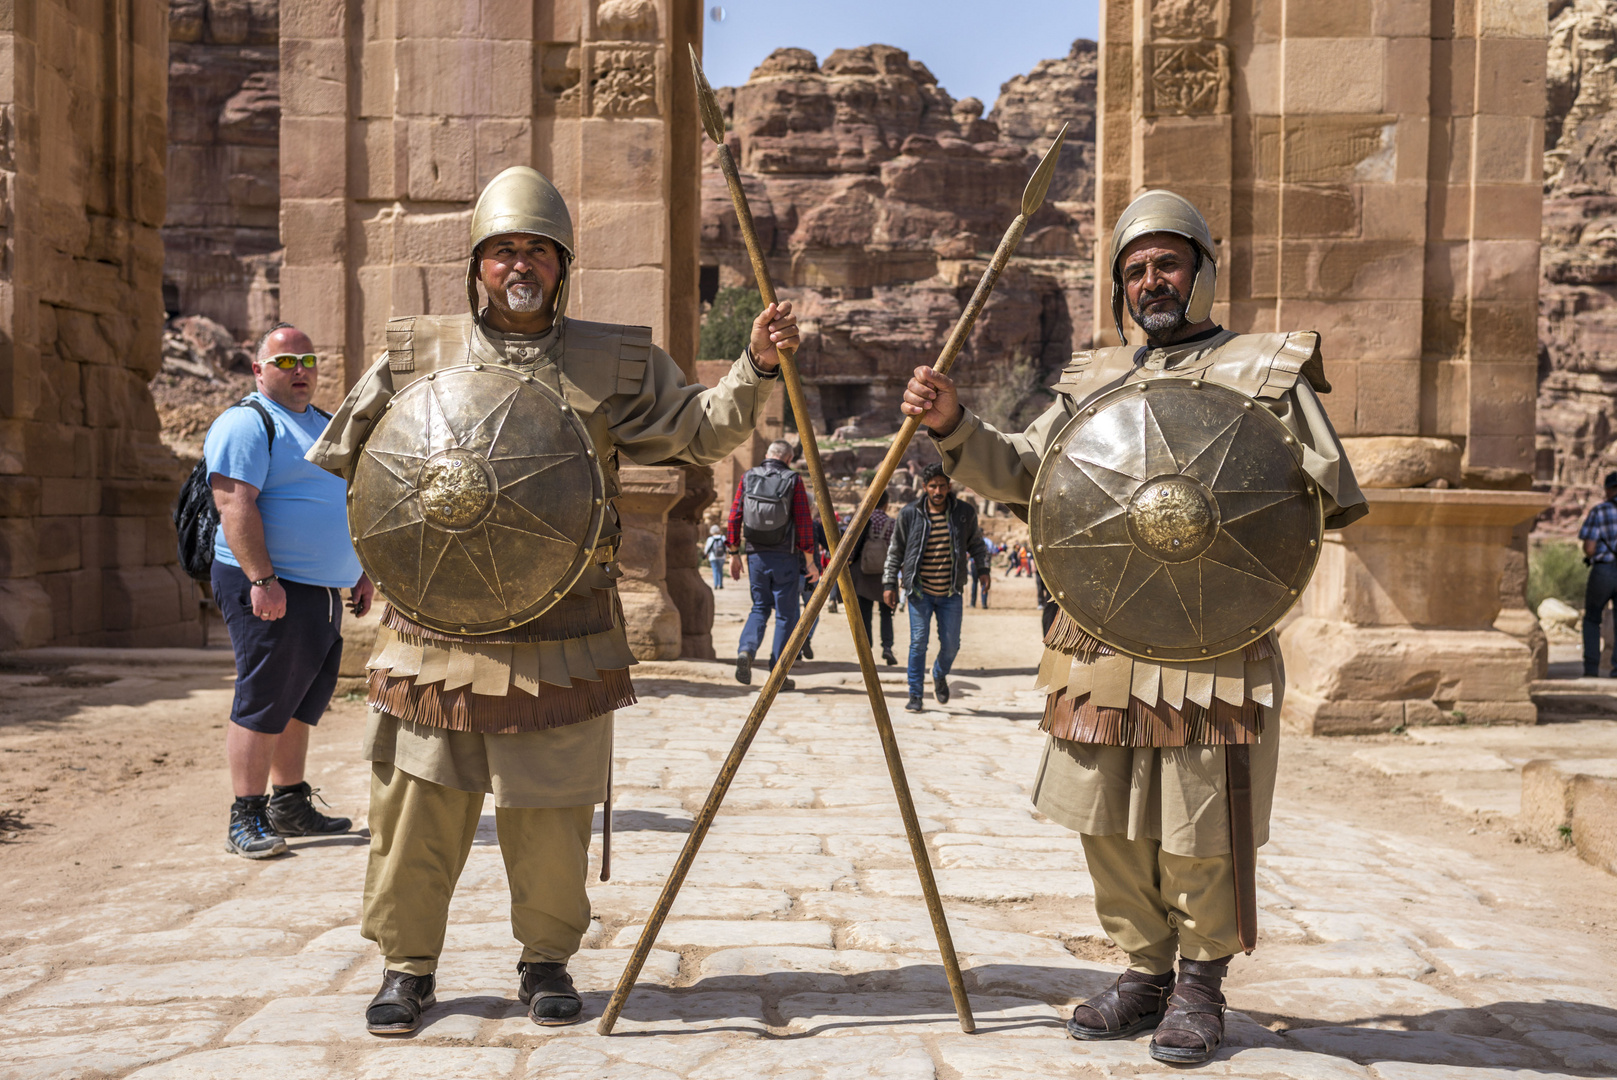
(802, 518)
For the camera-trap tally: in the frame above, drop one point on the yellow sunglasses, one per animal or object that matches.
(288, 361)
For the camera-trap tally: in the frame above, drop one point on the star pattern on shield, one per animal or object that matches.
(487, 545)
(1118, 452)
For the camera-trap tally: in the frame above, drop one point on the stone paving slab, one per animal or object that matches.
(800, 947)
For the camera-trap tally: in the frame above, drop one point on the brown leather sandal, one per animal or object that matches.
(1193, 1029)
(1134, 1003)
(548, 992)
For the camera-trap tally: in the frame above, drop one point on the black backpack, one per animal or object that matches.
(766, 506)
(196, 518)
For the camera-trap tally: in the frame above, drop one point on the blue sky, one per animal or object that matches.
(970, 47)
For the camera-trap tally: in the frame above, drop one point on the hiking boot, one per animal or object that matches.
(397, 1007)
(940, 689)
(1192, 1028)
(913, 704)
(548, 992)
(887, 657)
(743, 669)
(250, 834)
(292, 813)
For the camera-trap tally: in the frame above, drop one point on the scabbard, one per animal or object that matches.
(1244, 855)
(606, 828)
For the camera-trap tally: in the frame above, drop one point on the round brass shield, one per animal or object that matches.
(477, 500)
(1172, 519)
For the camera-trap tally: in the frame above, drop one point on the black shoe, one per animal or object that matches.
(548, 992)
(292, 813)
(888, 658)
(940, 689)
(914, 704)
(743, 669)
(250, 834)
(397, 1007)
(808, 650)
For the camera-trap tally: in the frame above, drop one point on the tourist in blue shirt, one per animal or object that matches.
(280, 557)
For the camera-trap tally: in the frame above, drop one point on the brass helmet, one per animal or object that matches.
(521, 200)
(1163, 211)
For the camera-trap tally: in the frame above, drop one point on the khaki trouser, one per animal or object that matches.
(1155, 904)
(421, 834)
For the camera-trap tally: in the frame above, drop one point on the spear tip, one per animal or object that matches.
(707, 105)
(1039, 185)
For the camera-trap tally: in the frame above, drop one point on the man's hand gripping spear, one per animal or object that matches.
(836, 572)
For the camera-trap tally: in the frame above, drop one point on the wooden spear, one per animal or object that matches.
(835, 572)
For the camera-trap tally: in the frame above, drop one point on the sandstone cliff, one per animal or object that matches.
(878, 198)
(221, 239)
(1577, 400)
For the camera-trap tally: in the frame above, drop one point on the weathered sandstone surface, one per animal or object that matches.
(221, 238)
(1577, 396)
(878, 198)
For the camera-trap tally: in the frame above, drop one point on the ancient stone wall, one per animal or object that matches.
(86, 549)
(221, 238)
(878, 197)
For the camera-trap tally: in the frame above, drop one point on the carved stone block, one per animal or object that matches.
(626, 20)
(1188, 79)
(1183, 19)
(623, 81)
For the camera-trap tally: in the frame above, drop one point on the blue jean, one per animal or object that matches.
(1601, 590)
(948, 611)
(776, 580)
(718, 572)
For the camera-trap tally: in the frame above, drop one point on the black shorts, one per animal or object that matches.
(286, 668)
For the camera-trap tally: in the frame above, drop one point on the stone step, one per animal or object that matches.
(1559, 699)
(1573, 801)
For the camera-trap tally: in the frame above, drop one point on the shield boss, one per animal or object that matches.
(477, 500)
(1172, 519)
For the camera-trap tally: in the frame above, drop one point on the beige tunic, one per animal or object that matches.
(636, 404)
(1172, 794)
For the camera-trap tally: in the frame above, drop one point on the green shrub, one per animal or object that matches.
(727, 326)
(1555, 568)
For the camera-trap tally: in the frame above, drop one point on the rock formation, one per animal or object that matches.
(1577, 397)
(221, 239)
(878, 198)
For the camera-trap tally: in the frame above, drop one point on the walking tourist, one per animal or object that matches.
(1166, 772)
(770, 521)
(867, 562)
(714, 550)
(281, 557)
(932, 541)
(524, 711)
(1599, 536)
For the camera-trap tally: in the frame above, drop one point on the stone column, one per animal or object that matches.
(1370, 170)
(687, 584)
(87, 553)
(649, 613)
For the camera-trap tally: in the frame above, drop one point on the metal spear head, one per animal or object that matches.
(1033, 195)
(708, 106)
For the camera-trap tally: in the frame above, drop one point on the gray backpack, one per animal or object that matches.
(766, 506)
(873, 556)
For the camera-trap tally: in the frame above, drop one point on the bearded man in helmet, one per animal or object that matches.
(503, 655)
(1161, 754)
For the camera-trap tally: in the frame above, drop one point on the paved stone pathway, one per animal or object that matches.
(800, 947)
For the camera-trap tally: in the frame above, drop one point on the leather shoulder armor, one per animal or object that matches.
(1092, 370)
(417, 344)
(1268, 365)
(602, 359)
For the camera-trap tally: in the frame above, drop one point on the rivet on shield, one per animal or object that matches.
(1195, 384)
(591, 453)
(597, 502)
(1289, 440)
(1038, 547)
(1038, 498)
(477, 367)
(1204, 652)
(1143, 386)
(1061, 594)
(433, 376)
(1294, 592)
(1148, 650)
(1246, 404)
(1313, 543)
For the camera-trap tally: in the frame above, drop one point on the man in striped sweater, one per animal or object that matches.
(931, 542)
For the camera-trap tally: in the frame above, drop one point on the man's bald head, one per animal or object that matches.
(282, 338)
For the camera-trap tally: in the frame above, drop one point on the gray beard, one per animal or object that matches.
(524, 297)
(1159, 323)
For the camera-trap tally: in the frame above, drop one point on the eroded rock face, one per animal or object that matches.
(221, 239)
(1577, 397)
(878, 199)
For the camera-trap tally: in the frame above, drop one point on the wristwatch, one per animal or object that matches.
(265, 582)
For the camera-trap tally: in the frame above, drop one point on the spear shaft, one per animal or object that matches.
(834, 574)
